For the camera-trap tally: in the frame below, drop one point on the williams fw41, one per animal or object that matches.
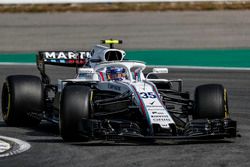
(111, 99)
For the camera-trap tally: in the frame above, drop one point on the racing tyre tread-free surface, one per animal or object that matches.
(21, 95)
(74, 105)
(211, 102)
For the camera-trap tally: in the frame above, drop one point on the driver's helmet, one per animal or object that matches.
(115, 73)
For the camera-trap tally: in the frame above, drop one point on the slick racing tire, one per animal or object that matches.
(74, 105)
(21, 95)
(210, 102)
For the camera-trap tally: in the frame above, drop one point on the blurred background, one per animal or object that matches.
(165, 27)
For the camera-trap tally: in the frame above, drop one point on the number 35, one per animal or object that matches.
(146, 95)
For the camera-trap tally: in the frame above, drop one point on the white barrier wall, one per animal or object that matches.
(102, 1)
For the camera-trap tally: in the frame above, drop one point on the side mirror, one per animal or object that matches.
(158, 71)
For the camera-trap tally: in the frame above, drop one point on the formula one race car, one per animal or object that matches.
(111, 99)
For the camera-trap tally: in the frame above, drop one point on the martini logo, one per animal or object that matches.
(66, 55)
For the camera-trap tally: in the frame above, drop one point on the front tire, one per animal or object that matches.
(74, 105)
(210, 102)
(21, 95)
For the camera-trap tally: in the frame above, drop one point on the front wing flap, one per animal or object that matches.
(126, 131)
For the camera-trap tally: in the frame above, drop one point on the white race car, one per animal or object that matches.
(111, 99)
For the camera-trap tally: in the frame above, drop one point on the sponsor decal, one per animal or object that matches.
(159, 120)
(86, 70)
(152, 102)
(158, 106)
(65, 61)
(164, 125)
(157, 112)
(159, 116)
(76, 61)
(155, 108)
(66, 55)
(114, 87)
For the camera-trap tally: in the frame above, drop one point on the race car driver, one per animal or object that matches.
(116, 73)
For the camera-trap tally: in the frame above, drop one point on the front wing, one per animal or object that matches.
(126, 131)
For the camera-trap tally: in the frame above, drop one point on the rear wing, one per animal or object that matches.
(66, 58)
(61, 58)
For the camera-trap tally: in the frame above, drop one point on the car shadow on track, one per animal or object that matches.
(48, 140)
(58, 139)
(166, 143)
(44, 128)
(44, 133)
(2, 124)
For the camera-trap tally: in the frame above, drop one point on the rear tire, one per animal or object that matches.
(21, 94)
(210, 102)
(74, 105)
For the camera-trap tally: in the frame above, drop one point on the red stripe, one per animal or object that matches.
(102, 77)
(141, 103)
(142, 108)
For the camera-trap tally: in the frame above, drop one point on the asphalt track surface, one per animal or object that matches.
(139, 30)
(48, 148)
